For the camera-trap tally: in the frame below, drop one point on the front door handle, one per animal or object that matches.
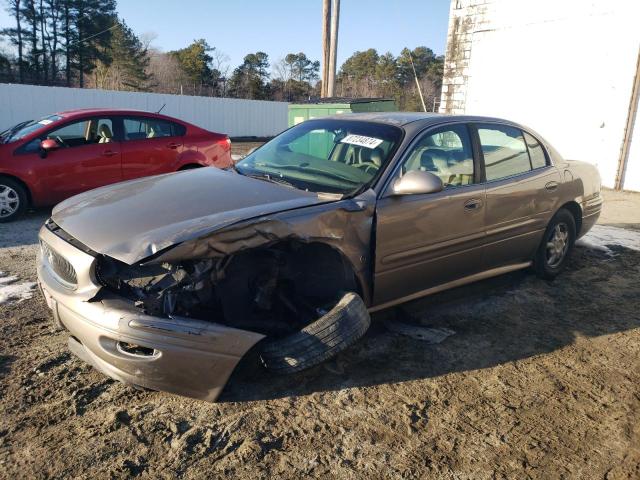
(173, 146)
(109, 153)
(473, 204)
(551, 186)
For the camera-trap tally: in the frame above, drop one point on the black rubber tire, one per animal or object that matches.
(540, 265)
(189, 166)
(332, 333)
(23, 199)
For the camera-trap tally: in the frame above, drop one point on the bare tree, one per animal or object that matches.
(14, 7)
(166, 73)
(220, 62)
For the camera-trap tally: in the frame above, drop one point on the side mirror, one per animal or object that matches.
(417, 182)
(47, 145)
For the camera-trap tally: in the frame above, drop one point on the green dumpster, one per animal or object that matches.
(299, 112)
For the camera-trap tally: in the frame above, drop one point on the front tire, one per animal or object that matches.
(13, 200)
(556, 245)
(338, 329)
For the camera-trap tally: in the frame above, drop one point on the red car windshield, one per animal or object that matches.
(23, 129)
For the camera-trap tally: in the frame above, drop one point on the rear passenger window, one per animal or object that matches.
(141, 128)
(446, 153)
(538, 158)
(505, 153)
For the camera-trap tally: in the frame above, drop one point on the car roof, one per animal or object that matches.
(422, 119)
(90, 111)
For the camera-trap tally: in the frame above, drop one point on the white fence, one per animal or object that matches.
(235, 117)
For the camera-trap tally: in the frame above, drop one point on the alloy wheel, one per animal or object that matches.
(557, 245)
(9, 201)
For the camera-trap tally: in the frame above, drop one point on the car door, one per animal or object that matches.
(522, 192)
(150, 146)
(425, 240)
(87, 156)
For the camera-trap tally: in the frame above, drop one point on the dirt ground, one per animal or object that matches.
(539, 380)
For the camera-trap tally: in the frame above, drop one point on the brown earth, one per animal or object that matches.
(540, 380)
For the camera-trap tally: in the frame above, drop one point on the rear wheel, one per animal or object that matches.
(189, 166)
(13, 199)
(556, 245)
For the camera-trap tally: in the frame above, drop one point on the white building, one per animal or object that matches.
(569, 69)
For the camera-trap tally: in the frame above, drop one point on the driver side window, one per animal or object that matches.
(76, 134)
(445, 152)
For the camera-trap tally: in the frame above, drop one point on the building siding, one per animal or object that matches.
(235, 117)
(565, 69)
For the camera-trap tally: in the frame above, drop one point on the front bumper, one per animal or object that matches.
(184, 356)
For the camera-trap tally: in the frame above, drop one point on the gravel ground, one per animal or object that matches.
(538, 380)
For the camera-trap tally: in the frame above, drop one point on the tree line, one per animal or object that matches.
(83, 43)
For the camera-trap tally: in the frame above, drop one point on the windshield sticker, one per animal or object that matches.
(45, 121)
(362, 141)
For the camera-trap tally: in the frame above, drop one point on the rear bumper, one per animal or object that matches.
(590, 213)
(184, 356)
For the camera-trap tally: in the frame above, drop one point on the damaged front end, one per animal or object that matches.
(275, 290)
(271, 275)
(180, 320)
(161, 289)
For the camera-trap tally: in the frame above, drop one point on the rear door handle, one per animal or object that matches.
(473, 204)
(173, 145)
(109, 153)
(551, 186)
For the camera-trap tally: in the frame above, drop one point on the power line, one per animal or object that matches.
(95, 35)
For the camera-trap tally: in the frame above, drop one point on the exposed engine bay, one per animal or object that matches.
(273, 291)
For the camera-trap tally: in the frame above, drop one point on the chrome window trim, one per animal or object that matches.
(409, 148)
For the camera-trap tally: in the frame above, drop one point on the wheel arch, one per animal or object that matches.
(190, 159)
(316, 254)
(576, 211)
(22, 183)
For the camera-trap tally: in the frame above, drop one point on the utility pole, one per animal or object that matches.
(335, 19)
(326, 27)
(415, 75)
(330, 21)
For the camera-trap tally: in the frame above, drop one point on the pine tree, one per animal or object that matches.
(123, 63)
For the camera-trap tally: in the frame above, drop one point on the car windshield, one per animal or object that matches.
(330, 156)
(23, 129)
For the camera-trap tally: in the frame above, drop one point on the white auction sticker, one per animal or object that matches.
(362, 141)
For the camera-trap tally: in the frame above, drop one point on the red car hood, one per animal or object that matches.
(132, 220)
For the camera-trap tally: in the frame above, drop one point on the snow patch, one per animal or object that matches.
(601, 237)
(12, 291)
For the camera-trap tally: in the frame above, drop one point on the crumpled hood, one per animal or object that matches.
(132, 220)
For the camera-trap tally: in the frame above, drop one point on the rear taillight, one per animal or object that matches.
(227, 142)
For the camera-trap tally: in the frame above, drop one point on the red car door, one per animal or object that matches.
(88, 156)
(150, 146)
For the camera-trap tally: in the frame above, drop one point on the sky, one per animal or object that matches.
(278, 27)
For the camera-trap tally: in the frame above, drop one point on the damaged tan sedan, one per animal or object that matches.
(167, 282)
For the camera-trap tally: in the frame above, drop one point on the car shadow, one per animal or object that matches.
(24, 230)
(5, 364)
(505, 319)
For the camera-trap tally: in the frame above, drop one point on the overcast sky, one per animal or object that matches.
(278, 27)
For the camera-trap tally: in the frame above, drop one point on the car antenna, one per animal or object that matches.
(163, 105)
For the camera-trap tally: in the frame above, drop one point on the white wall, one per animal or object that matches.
(235, 117)
(565, 69)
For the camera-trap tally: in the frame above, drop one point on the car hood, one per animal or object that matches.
(132, 220)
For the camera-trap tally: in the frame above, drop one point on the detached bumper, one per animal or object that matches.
(179, 355)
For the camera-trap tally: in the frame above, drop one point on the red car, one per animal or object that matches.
(42, 162)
